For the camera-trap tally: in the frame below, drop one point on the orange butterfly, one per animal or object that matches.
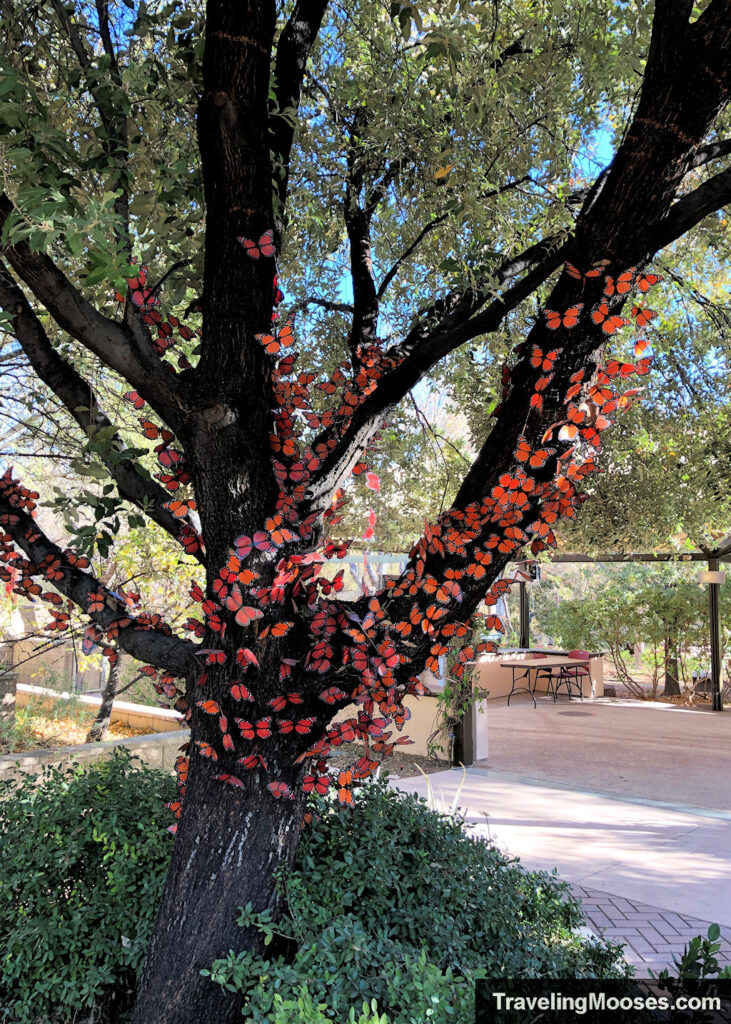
(577, 275)
(622, 285)
(609, 323)
(642, 315)
(211, 707)
(542, 361)
(345, 781)
(180, 508)
(534, 458)
(645, 281)
(206, 750)
(276, 343)
(568, 319)
(96, 601)
(277, 630)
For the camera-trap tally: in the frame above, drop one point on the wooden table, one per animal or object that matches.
(526, 664)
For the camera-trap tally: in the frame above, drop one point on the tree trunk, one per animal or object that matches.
(229, 845)
(99, 728)
(7, 685)
(672, 685)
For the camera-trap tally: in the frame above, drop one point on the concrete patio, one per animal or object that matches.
(628, 801)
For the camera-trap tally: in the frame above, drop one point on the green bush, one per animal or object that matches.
(83, 856)
(394, 910)
(392, 902)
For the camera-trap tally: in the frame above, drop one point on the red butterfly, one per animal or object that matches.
(264, 247)
(206, 750)
(300, 725)
(230, 780)
(279, 703)
(246, 657)
(261, 728)
(317, 783)
(568, 319)
(608, 323)
(134, 398)
(96, 601)
(213, 656)
(245, 614)
(332, 694)
(280, 790)
(252, 761)
(240, 692)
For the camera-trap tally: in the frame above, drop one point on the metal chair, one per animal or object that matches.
(572, 676)
(545, 673)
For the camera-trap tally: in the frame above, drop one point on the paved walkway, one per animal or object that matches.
(653, 937)
(651, 874)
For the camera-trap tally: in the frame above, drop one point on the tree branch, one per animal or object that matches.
(293, 49)
(426, 344)
(711, 151)
(710, 196)
(358, 226)
(152, 646)
(128, 351)
(434, 224)
(81, 402)
(315, 300)
(111, 112)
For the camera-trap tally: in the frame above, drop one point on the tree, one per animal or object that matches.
(254, 453)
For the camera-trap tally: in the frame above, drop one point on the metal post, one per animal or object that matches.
(524, 615)
(714, 613)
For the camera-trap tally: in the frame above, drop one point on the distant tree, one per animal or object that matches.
(442, 147)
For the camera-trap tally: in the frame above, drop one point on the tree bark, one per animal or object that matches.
(7, 686)
(99, 728)
(229, 843)
(672, 685)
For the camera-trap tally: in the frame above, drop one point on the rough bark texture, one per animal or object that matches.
(99, 727)
(228, 846)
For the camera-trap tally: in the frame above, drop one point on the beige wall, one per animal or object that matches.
(424, 718)
(489, 675)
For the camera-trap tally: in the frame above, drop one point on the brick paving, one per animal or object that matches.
(652, 937)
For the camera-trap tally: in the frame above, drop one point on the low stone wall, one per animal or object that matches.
(137, 716)
(159, 750)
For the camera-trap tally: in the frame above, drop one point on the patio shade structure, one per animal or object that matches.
(712, 557)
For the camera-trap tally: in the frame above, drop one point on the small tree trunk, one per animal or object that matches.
(672, 685)
(99, 728)
(7, 686)
(229, 845)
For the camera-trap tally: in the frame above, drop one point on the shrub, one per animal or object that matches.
(392, 902)
(83, 856)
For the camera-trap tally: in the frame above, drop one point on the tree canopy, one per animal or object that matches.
(241, 244)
